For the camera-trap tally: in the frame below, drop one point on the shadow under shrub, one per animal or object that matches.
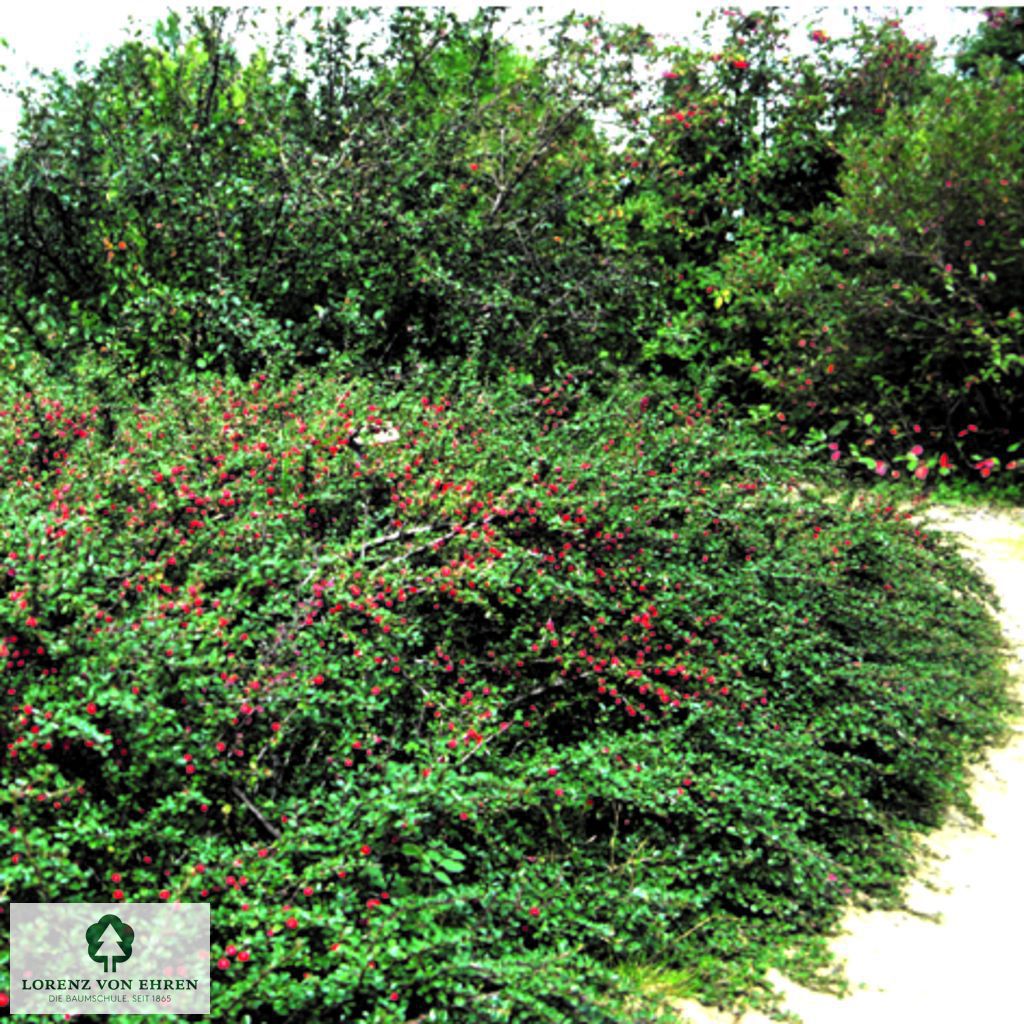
(451, 726)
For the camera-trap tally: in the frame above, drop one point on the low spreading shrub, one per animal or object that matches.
(464, 705)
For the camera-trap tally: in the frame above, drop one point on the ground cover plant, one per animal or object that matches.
(545, 695)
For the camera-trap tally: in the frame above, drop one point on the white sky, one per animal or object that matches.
(53, 35)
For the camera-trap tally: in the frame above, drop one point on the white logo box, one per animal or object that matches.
(106, 958)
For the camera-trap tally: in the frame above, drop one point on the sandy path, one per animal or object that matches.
(958, 956)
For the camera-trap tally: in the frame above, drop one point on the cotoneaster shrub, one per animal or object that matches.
(476, 724)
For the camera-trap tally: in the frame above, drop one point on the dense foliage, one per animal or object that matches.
(403, 194)
(567, 682)
(420, 524)
(832, 232)
(910, 339)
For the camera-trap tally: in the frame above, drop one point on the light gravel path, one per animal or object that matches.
(958, 956)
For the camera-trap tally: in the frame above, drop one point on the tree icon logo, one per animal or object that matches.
(110, 941)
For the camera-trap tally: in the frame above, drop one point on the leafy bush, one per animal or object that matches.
(911, 341)
(468, 705)
(408, 185)
(741, 146)
(1000, 35)
(838, 240)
